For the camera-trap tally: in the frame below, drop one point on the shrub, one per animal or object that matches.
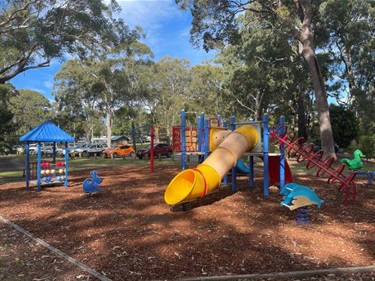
(367, 145)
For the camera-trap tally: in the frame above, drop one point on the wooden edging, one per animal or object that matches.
(285, 275)
(56, 251)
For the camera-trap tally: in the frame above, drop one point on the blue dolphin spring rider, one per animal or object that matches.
(297, 196)
(91, 185)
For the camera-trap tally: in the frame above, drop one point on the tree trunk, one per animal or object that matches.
(301, 111)
(307, 50)
(109, 128)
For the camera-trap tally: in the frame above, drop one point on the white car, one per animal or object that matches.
(46, 151)
(19, 149)
(81, 149)
(95, 149)
(33, 148)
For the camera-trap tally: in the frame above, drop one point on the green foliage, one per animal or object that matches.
(167, 90)
(6, 116)
(8, 127)
(351, 41)
(55, 29)
(345, 125)
(208, 93)
(263, 69)
(367, 145)
(30, 108)
(350, 46)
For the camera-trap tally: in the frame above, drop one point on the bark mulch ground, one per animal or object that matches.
(128, 232)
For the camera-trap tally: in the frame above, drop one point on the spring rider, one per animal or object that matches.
(91, 185)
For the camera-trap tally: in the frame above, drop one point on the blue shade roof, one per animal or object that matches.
(47, 132)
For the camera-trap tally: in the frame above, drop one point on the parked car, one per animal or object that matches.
(18, 149)
(71, 150)
(119, 151)
(80, 149)
(94, 149)
(162, 149)
(33, 148)
(46, 151)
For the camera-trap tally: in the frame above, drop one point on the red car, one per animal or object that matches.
(162, 149)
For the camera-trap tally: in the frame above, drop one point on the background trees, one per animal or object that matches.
(29, 108)
(294, 19)
(350, 43)
(7, 124)
(267, 63)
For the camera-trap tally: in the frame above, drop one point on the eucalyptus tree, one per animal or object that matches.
(117, 83)
(8, 127)
(101, 85)
(30, 109)
(265, 73)
(74, 96)
(122, 122)
(350, 25)
(33, 32)
(215, 23)
(166, 94)
(350, 43)
(208, 93)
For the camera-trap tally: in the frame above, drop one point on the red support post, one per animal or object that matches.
(152, 164)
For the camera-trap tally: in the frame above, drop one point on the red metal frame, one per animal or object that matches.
(295, 146)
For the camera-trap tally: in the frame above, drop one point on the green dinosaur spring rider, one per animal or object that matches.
(356, 163)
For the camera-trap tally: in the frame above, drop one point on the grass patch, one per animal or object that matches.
(11, 174)
(12, 167)
(91, 163)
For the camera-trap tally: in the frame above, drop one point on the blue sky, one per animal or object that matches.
(167, 31)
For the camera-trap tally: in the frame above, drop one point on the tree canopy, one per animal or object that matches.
(30, 108)
(217, 24)
(33, 32)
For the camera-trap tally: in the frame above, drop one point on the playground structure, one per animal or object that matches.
(250, 138)
(46, 173)
(222, 147)
(197, 182)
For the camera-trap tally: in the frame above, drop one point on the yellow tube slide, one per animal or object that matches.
(197, 182)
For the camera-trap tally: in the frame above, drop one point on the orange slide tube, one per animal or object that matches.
(197, 182)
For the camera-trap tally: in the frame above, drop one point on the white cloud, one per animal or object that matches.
(151, 15)
(161, 21)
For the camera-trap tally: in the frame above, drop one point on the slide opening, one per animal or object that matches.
(180, 187)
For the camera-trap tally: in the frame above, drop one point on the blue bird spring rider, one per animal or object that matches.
(91, 185)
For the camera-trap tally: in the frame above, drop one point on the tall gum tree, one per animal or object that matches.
(214, 22)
